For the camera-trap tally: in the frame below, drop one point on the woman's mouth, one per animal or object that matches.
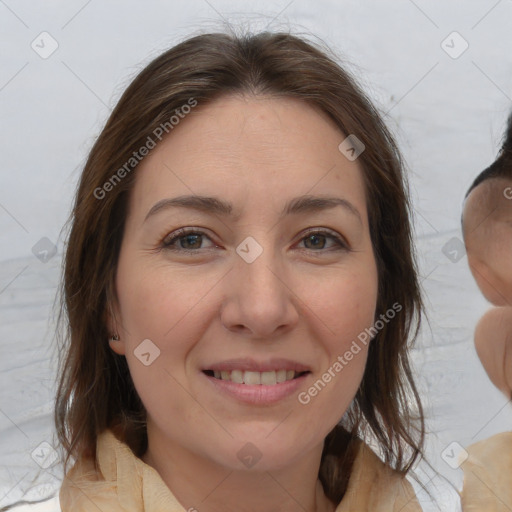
(256, 383)
(252, 378)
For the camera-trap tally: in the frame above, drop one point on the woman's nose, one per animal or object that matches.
(259, 300)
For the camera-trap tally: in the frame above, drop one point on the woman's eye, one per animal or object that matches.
(185, 240)
(317, 240)
(189, 240)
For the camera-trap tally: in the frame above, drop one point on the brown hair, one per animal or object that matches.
(95, 390)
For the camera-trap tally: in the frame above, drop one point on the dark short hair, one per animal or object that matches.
(502, 166)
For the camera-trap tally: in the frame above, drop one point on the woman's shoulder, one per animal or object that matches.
(88, 484)
(119, 481)
(375, 486)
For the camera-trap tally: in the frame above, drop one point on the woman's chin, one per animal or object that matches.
(257, 455)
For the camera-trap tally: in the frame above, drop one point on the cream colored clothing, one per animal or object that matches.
(128, 484)
(488, 475)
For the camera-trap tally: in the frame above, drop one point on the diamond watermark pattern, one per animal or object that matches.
(44, 250)
(146, 352)
(454, 455)
(45, 455)
(249, 455)
(351, 147)
(454, 249)
(249, 250)
(454, 45)
(44, 45)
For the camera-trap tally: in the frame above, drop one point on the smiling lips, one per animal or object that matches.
(254, 378)
(252, 373)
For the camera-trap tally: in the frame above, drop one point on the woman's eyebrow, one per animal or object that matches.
(213, 205)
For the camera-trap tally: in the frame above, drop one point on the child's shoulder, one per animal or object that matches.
(487, 474)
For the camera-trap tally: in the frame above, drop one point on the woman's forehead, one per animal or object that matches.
(257, 127)
(272, 148)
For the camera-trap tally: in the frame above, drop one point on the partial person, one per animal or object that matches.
(487, 230)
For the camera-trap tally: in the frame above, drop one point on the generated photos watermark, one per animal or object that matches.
(304, 397)
(137, 156)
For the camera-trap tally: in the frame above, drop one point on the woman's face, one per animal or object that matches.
(268, 281)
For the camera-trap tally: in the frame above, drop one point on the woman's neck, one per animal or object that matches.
(203, 486)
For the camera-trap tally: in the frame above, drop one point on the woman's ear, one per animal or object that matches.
(115, 341)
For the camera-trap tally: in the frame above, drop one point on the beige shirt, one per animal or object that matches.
(126, 483)
(488, 475)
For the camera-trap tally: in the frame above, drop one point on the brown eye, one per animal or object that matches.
(317, 240)
(185, 240)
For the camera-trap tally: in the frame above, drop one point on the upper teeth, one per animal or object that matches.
(254, 378)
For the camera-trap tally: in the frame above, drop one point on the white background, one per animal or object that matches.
(447, 113)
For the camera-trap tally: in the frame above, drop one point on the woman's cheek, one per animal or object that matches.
(158, 301)
(347, 306)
